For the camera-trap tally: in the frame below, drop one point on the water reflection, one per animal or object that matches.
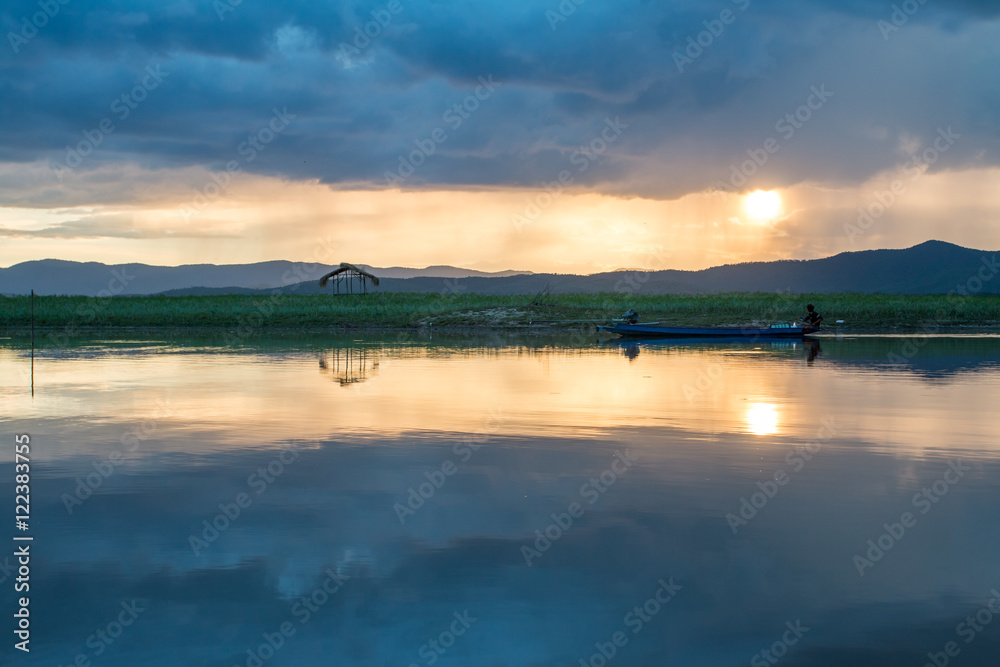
(631, 347)
(411, 498)
(814, 349)
(349, 365)
(762, 418)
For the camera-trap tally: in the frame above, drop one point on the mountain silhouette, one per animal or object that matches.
(933, 267)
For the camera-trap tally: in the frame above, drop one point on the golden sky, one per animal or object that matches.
(263, 218)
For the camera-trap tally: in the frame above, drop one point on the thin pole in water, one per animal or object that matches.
(32, 342)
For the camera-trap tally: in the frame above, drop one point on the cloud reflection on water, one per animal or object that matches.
(566, 411)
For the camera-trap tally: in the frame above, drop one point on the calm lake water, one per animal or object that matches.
(495, 501)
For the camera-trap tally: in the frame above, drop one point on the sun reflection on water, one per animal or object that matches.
(762, 418)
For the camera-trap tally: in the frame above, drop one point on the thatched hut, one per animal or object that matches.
(344, 277)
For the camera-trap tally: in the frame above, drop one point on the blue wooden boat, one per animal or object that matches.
(660, 331)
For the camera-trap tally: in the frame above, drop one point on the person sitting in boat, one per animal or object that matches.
(812, 318)
(630, 316)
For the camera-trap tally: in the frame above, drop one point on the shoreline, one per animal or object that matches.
(476, 313)
(83, 332)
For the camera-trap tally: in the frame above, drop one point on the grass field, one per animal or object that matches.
(392, 310)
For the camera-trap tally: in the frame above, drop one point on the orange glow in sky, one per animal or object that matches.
(576, 232)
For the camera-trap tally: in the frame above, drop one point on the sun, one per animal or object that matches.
(761, 205)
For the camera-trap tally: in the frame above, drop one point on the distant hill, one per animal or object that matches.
(933, 267)
(435, 272)
(55, 276)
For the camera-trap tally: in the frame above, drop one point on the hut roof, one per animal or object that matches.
(344, 266)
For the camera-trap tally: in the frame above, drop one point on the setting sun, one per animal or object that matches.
(761, 205)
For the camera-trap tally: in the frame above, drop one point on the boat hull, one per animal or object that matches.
(656, 331)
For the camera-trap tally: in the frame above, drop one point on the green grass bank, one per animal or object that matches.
(401, 310)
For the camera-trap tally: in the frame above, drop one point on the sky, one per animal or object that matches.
(574, 136)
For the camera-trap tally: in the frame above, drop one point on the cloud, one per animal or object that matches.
(355, 123)
(116, 226)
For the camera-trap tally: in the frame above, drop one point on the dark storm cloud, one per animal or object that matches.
(561, 76)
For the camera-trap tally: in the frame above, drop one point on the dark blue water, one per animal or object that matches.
(507, 502)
